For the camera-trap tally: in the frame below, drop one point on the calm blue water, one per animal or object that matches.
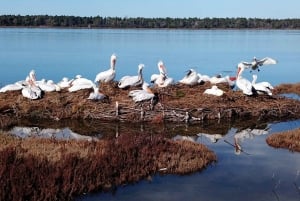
(264, 174)
(55, 53)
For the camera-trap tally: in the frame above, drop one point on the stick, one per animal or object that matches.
(236, 147)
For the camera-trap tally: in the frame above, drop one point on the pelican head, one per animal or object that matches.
(65, 79)
(32, 75)
(141, 66)
(161, 67)
(113, 59)
(190, 71)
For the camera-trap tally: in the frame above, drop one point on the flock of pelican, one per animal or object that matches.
(33, 89)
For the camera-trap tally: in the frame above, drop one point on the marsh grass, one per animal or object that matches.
(289, 140)
(48, 169)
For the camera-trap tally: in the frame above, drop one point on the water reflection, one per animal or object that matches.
(93, 128)
(64, 133)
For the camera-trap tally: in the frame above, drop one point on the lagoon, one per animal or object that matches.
(58, 53)
(264, 173)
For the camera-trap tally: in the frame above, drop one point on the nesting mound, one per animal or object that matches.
(176, 103)
(46, 169)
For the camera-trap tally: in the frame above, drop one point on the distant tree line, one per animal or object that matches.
(140, 22)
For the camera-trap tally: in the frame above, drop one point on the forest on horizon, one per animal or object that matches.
(140, 22)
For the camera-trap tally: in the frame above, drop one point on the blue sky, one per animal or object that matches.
(278, 9)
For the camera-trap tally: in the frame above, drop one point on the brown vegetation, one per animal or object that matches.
(288, 88)
(46, 169)
(288, 140)
(176, 103)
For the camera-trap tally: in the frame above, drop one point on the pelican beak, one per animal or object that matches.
(232, 78)
(238, 71)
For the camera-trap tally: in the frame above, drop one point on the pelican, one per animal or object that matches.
(96, 95)
(214, 90)
(242, 83)
(136, 80)
(255, 64)
(191, 78)
(64, 83)
(143, 94)
(110, 74)
(217, 80)
(12, 87)
(31, 91)
(262, 87)
(48, 86)
(161, 79)
(81, 83)
(203, 78)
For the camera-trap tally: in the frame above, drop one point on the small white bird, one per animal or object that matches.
(128, 81)
(110, 74)
(242, 83)
(214, 90)
(255, 64)
(191, 78)
(262, 87)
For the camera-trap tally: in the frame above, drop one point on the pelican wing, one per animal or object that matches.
(142, 96)
(247, 64)
(267, 61)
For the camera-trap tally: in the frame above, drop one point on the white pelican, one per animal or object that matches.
(191, 78)
(143, 94)
(217, 80)
(242, 83)
(214, 90)
(96, 95)
(81, 83)
(255, 64)
(31, 91)
(136, 80)
(48, 86)
(161, 79)
(64, 83)
(203, 78)
(12, 87)
(110, 74)
(262, 87)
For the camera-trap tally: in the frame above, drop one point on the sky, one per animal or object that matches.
(274, 9)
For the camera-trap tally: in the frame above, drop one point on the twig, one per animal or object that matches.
(236, 147)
